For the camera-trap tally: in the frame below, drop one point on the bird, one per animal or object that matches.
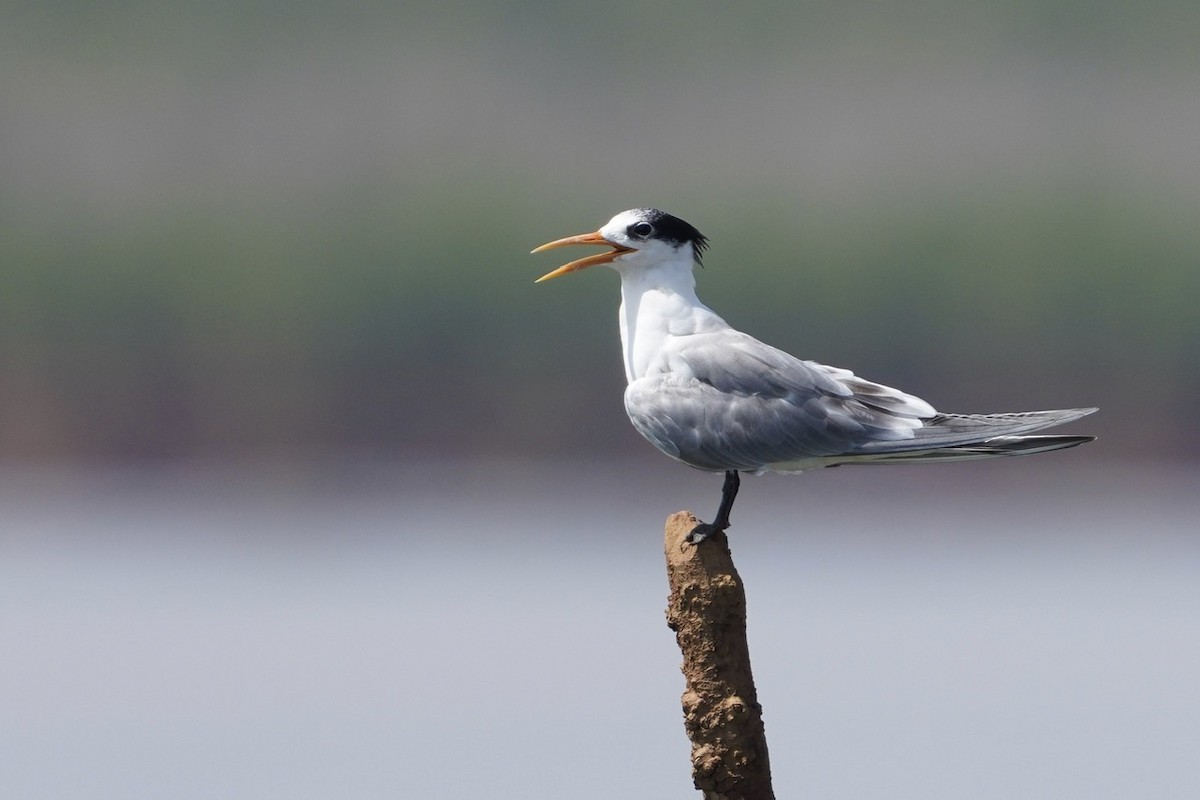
(719, 400)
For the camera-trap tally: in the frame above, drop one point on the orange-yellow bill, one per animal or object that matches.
(587, 261)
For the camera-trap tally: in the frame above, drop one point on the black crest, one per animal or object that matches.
(676, 231)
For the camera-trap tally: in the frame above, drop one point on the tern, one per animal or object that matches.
(719, 400)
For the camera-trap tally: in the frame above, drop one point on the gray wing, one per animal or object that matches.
(723, 400)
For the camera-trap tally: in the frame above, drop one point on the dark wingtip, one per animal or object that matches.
(1017, 445)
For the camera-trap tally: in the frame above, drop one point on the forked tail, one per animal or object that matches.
(992, 448)
(963, 437)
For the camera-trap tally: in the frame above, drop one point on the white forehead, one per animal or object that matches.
(621, 222)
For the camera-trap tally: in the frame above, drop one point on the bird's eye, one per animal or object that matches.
(641, 229)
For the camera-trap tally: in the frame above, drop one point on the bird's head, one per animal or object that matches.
(639, 239)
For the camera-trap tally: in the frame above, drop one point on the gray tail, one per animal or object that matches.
(992, 448)
(963, 437)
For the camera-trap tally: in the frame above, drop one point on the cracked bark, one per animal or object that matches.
(722, 717)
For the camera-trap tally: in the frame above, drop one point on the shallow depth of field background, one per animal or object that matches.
(307, 490)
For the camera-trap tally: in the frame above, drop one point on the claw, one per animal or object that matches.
(728, 492)
(701, 532)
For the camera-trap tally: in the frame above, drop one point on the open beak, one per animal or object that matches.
(587, 261)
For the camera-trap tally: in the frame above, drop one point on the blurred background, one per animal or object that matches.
(307, 490)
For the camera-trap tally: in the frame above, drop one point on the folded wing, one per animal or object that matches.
(723, 400)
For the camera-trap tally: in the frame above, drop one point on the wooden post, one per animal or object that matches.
(707, 611)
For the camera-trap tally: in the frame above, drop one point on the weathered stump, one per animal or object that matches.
(707, 611)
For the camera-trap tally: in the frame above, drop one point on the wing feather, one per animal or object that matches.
(727, 401)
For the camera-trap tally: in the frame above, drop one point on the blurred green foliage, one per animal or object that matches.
(206, 252)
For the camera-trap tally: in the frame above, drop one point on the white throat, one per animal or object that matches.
(658, 304)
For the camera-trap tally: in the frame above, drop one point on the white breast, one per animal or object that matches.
(658, 307)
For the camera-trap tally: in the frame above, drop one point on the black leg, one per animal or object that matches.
(728, 494)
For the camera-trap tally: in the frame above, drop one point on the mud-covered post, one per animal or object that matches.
(707, 611)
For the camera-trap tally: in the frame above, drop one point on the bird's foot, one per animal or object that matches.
(703, 531)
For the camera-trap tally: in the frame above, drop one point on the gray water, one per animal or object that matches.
(495, 630)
